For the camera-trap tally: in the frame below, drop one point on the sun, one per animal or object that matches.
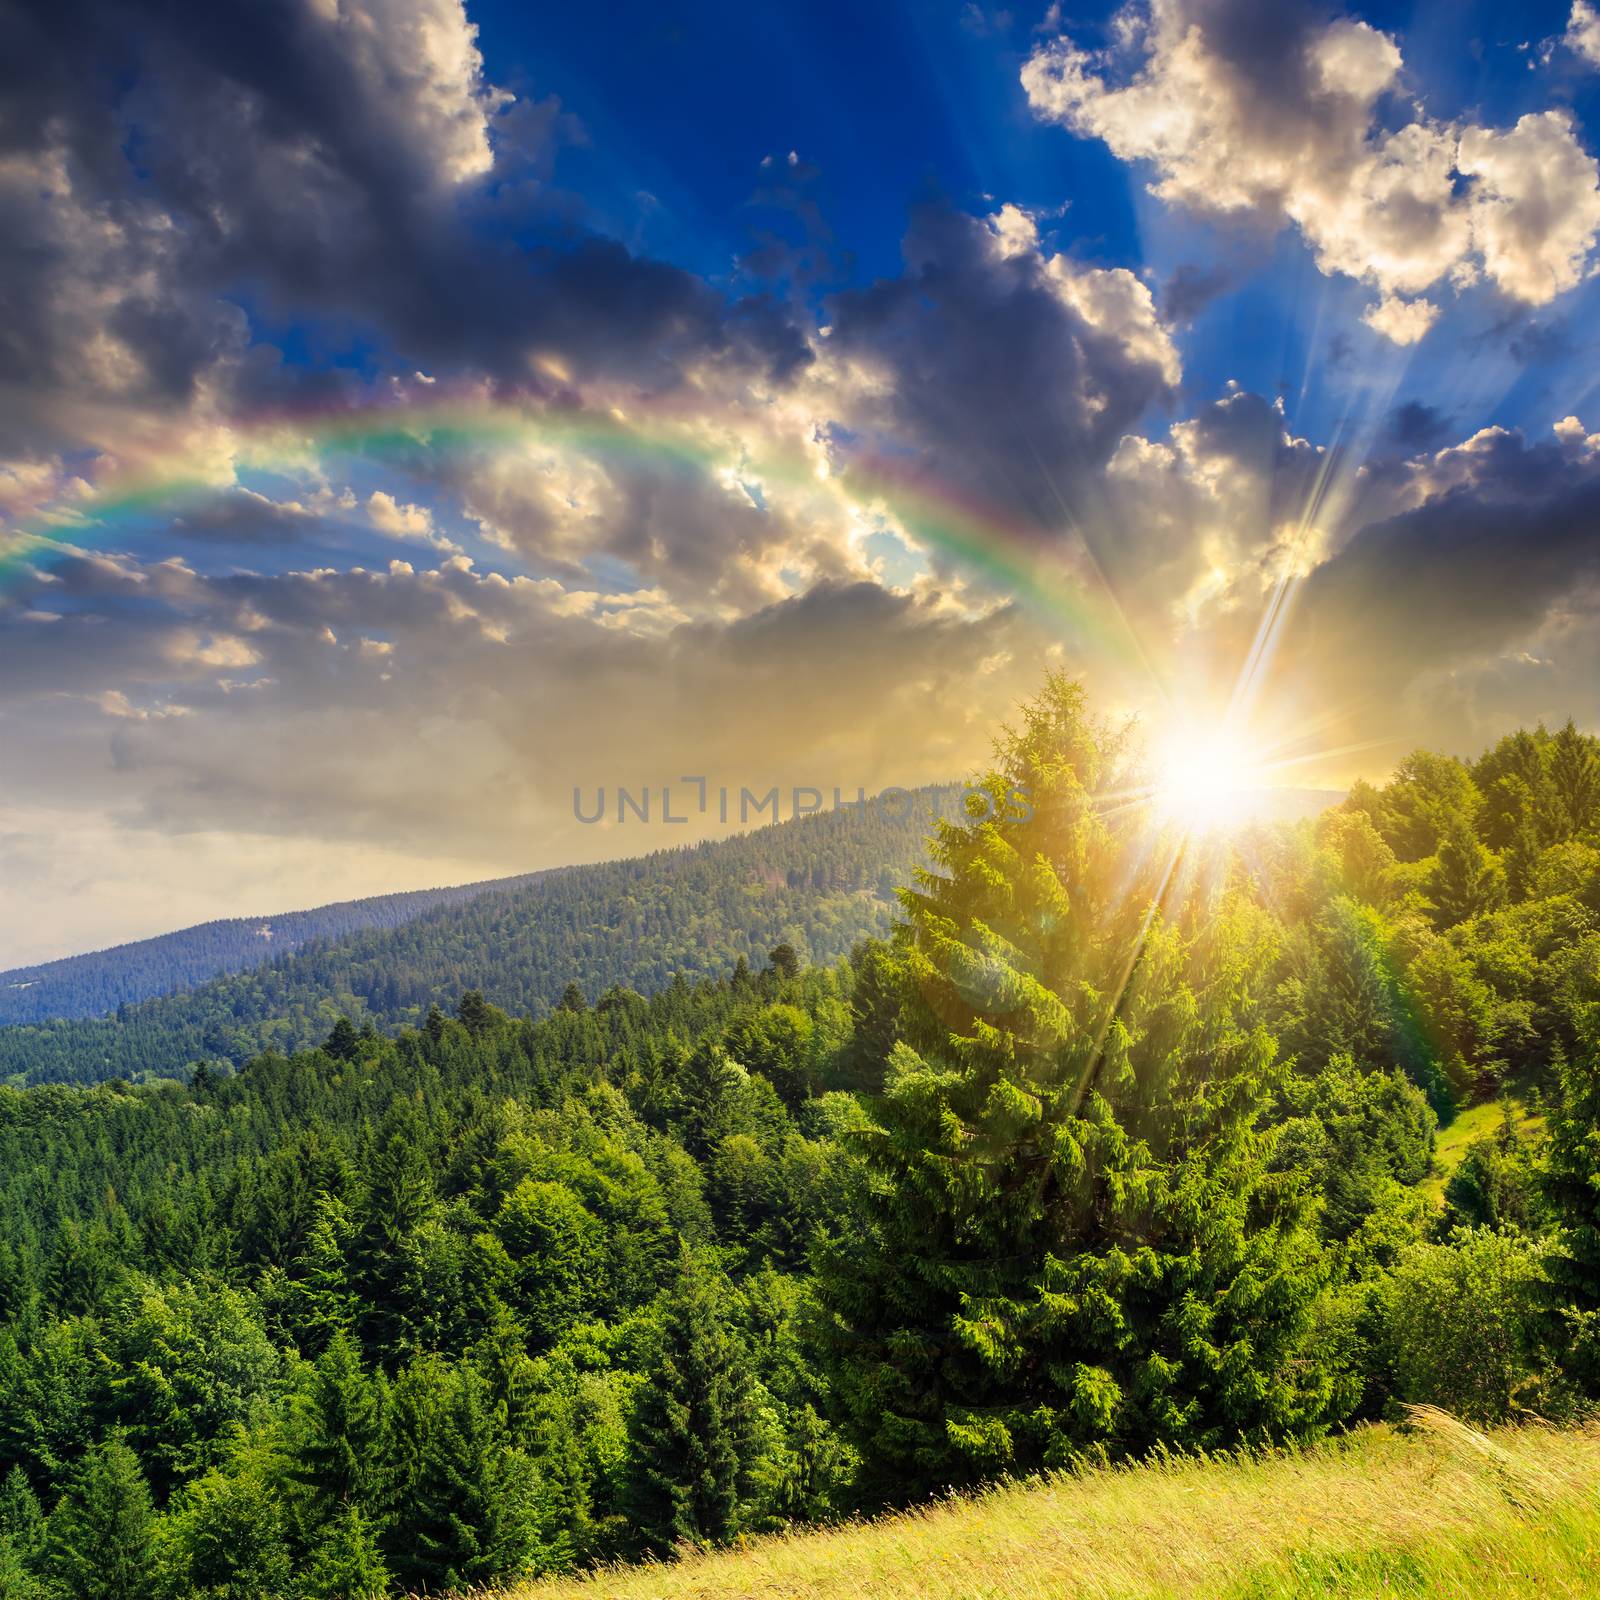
(1203, 777)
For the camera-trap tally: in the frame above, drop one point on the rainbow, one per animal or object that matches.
(989, 544)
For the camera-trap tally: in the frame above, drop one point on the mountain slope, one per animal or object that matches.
(95, 984)
(820, 883)
(1442, 1511)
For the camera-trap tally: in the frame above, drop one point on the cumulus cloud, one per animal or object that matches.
(1010, 371)
(355, 163)
(1277, 114)
(275, 704)
(1583, 32)
(1402, 321)
(1489, 558)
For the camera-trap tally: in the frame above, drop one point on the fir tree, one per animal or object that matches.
(223, 1538)
(690, 1436)
(1572, 1186)
(874, 1015)
(343, 1043)
(102, 1533)
(22, 1521)
(338, 1441)
(471, 1507)
(1068, 1240)
(475, 1013)
(433, 1025)
(1468, 879)
(22, 1539)
(345, 1561)
(710, 1088)
(1575, 779)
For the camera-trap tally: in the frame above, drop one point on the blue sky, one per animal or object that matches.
(411, 410)
(888, 103)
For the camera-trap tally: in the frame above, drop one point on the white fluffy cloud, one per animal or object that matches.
(424, 55)
(1285, 125)
(1583, 32)
(1402, 321)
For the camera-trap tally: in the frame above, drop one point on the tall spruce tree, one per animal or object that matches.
(1068, 1240)
(690, 1438)
(1468, 879)
(102, 1533)
(1575, 778)
(338, 1446)
(345, 1562)
(471, 1500)
(22, 1539)
(1572, 1186)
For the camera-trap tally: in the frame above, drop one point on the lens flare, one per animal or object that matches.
(1204, 778)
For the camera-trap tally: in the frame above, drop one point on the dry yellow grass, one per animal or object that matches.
(1439, 1509)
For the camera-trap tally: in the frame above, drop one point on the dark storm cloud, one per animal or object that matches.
(168, 163)
(1508, 534)
(1415, 425)
(1012, 372)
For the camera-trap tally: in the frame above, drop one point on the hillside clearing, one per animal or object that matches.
(1439, 1509)
(1465, 1129)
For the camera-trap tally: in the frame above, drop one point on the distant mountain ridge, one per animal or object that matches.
(98, 982)
(820, 883)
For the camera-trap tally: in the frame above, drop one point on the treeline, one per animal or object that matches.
(820, 883)
(94, 985)
(1119, 1143)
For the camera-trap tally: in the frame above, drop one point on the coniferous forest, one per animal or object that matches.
(819, 883)
(1118, 1141)
(92, 985)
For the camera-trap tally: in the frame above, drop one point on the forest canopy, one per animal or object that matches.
(1118, 1141)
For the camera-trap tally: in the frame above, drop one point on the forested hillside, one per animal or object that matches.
(95, 984)
(1119, 1144)
(819, 883)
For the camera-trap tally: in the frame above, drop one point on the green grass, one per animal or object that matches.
(1476, 1122)
(1438, 1509)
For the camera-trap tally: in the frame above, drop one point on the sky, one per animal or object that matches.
(412, 414)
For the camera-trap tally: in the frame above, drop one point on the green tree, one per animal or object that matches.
(470, 1502)
(1069, 1239)
(776, 1042)
(22, 1539)
(1495, 1185)
(691, 1434)
(1354, 1134)
(1468, 879)
(193, 1359)
(223, 1539)
(559, 1252)
(343, 1043)
(345, 1561)
(102, 1533)
(1572, 1187)
(1575, 779)
(398, 1199)
(1460, 1322)
(337, 1449)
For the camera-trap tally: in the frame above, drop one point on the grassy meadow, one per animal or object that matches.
(1436, 1508)
(1481, 1121)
